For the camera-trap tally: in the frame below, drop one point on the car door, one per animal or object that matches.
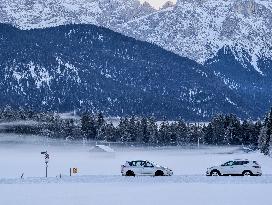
(137, 167)
(227, 168)
(148, 168)
(244, 165)
(238, 167)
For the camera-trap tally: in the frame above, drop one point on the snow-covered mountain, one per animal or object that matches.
(88, 67)
(28, 14)
(198, 29)
(230, 38)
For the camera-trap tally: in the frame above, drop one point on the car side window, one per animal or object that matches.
(143, 163)
(230, 163)
(237, 163)
(240, 162)
(139, 163)
(148, 164)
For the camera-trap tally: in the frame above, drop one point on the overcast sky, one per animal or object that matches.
(157, 3)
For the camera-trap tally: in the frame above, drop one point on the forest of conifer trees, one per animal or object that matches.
(221, 130)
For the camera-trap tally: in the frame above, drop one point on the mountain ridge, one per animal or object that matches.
(195, 29)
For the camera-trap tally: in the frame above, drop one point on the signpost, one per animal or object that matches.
(46, 159)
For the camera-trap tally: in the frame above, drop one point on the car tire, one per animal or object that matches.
(247, 173)
(215, 173)
(159, 173)
(130, 173)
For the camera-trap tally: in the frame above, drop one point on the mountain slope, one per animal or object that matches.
(243, 78)
(88, 67)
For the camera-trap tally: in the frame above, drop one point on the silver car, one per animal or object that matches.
(238, 167)
(144, 167)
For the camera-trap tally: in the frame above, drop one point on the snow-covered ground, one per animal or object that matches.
(99, 181)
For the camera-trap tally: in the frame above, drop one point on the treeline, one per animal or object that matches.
(222, 130)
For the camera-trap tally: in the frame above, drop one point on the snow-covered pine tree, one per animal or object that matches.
(218, 129)
(85, 120)
(144, 130)
(107, 133)
(123, 130)
(100, 120)
(100, 123)
(132, 129)
(182, 133)
(250, 132)
(265, 136)
(232, 128)
(262, 141)
(153, 131)
(194, 133)
(173, 134)
(208, 134)
(88, 126)
(164, 138)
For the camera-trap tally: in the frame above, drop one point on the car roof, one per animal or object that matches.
(138, 160)
(241, 160)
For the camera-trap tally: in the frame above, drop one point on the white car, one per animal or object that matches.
(144, 167)
(236, 167)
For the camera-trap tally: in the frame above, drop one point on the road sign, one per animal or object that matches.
(75, 170)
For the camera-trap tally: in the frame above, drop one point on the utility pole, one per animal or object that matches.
(46, 160)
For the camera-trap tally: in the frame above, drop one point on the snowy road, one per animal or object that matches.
(182, 179)
(148, 191)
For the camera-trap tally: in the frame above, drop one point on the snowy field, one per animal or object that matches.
(99, 180)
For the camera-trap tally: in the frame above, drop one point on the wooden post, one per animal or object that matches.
(46, 166)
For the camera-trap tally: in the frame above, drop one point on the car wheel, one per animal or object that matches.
(159, 173)
(247, 173)
(130, 173)
(215, 173)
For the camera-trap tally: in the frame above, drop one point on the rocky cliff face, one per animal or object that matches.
(47, 13)
(199, 29)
